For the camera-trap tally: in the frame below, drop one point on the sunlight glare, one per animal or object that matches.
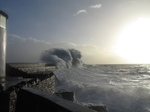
(134, 41)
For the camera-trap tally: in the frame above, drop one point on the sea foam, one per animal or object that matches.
(123, 88)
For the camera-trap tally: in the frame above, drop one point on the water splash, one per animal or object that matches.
(62, 58)
(125, 91)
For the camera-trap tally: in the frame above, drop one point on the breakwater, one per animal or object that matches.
(27, 82)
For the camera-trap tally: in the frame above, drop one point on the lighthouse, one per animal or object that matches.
(3, 18)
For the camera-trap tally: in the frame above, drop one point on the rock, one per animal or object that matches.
(98, 107)
(1, 87)
(66, 95)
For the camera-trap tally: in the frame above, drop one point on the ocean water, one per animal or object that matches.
(122, 88)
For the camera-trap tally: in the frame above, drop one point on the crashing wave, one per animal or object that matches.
(62, 58)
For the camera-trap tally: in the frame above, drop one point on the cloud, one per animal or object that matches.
(79, 12)
(97, 6)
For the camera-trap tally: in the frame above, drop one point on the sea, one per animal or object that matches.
(121, 87)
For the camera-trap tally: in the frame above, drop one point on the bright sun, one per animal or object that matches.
(134, 41)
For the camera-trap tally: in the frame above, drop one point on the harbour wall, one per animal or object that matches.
(33, 90)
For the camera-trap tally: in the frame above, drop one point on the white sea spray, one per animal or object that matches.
(122, 88)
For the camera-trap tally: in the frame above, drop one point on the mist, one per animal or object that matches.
(29, 50)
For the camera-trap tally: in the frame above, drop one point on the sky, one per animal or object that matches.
(94, 27)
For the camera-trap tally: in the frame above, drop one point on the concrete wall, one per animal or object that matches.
(8, 97)
(31, 100)
(35, 94)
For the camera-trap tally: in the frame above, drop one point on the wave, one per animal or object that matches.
(123, 88)
(62, 58)
(120, 92)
